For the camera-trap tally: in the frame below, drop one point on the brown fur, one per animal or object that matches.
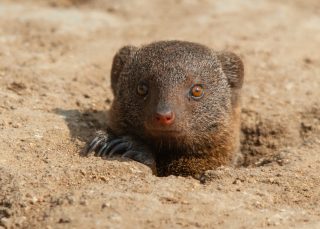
(207, 129)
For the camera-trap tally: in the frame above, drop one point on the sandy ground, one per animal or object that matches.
(55, 59)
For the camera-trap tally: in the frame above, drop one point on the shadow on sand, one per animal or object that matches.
(83, 124)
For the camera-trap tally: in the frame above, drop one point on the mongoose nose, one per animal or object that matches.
(164, 118)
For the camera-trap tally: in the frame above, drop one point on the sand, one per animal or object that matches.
(55, 91)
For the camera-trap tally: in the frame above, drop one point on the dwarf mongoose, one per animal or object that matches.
(176, 108)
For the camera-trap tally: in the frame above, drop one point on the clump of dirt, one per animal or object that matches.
(17, 87)
(67, 3)
(310, 123)
(10, 200)
(264, 139)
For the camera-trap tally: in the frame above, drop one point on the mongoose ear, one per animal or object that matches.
(232, 66)
(119, 60)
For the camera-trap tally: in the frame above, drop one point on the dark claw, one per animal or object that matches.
(93, 145)
(120, 148)
(93, 142)
(129, 154)
(108, 146)
(99, 153)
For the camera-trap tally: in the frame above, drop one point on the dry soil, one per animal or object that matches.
(55, 59)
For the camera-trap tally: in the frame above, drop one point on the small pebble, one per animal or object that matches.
(64, 219)
(83, 202)
(82, 172)
(105, 205)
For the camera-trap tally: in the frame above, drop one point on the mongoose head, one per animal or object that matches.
(174, 93)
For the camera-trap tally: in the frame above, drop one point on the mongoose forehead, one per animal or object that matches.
(181, 99)
(173, 62)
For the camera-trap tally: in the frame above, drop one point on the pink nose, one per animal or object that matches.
(165, 118)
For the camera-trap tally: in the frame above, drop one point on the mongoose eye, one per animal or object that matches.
(197, 91)
(142, 89)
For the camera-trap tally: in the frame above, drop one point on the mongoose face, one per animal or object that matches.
(176, 108)
(174, 94)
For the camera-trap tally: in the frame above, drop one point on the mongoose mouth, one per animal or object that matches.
(164, 132)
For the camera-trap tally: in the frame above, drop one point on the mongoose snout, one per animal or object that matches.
(164, 118)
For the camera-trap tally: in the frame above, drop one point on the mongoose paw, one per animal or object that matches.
(107, 146)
